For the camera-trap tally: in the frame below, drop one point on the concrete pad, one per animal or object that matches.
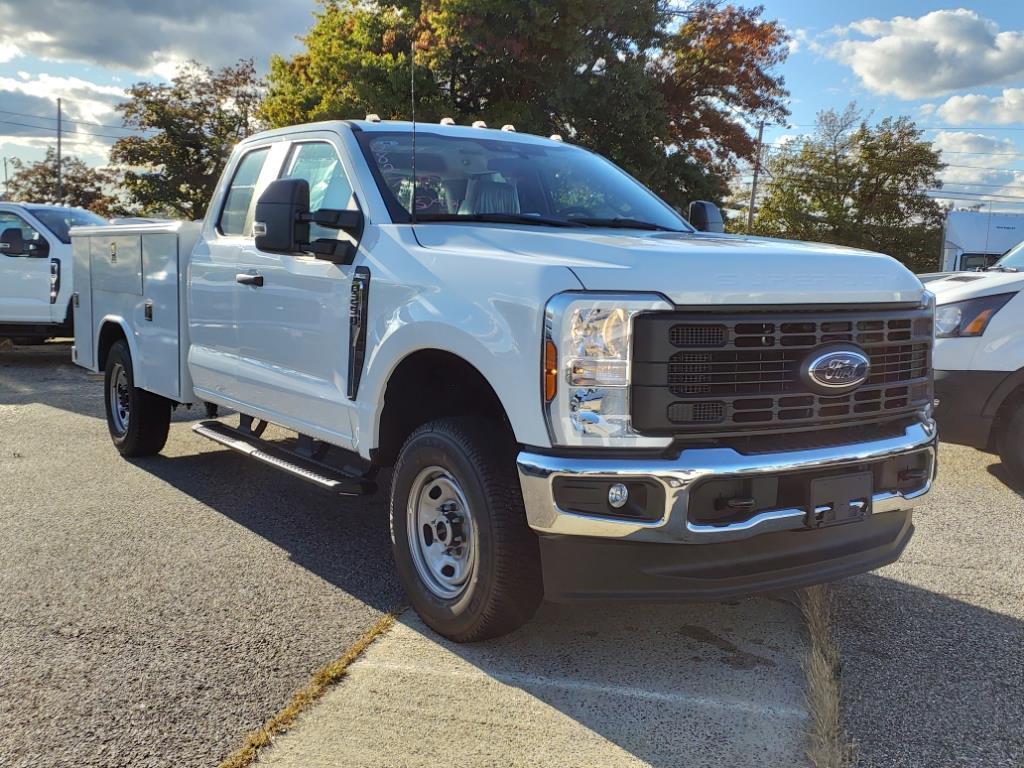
(693, 685)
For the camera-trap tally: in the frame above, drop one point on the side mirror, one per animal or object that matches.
(38, 249)
(12, 243)
(283, 218)
(280, 225)
(706, 217)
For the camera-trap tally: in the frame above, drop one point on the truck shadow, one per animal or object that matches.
(344, 541)
(1000, 473)
(929, 679)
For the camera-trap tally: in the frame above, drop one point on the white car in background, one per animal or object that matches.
(35, 269)
(979, 358)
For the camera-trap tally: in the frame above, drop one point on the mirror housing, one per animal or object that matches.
(12, 243)
(38, 249)
(706, 217)
(282, 223)
(278, 225)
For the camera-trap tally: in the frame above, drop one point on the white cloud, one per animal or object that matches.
(9, 51)
(979, 164)
(140, 35)
(1004, 109)
(930, 55)
(84, 100)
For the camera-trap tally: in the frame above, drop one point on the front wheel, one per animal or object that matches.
(1010, 441)
(138, 420)
(464, 552)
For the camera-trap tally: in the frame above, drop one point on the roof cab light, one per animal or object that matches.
(447, 121)
(587, 353)
(508, 128)
(373, 117)
(968, 318)
(479, 124)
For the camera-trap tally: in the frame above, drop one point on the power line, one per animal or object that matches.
(66, 130)
(77, 122)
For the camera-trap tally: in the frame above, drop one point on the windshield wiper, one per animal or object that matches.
(620, 222)
(1000, 268)
(497, 218)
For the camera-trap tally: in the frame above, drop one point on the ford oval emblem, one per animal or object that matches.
(836, 370)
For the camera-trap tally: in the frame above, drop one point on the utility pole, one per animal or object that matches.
(59, 180)
(757, 172)
(7, 191)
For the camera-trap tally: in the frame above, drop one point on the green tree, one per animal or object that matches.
(81, 185)
(661, 89)
(196, 120)
(851, 183)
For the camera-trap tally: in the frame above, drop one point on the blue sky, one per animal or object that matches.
(957, 70)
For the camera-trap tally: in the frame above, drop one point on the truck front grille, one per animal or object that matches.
(714, 373)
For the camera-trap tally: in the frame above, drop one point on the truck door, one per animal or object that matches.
(24, 276)
(293, 328)
(213, 291)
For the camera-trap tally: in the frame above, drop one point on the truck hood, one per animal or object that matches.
(693, 268)
(959, 286)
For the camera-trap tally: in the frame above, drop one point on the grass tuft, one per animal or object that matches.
(324, 677)
(828, 745)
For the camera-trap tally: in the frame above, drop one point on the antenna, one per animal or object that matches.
(412, 93)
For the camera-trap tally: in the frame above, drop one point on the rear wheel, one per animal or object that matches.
(464, 552)
(138, 420)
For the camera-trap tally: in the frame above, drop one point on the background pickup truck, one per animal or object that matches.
(35, 269)
(579, 395)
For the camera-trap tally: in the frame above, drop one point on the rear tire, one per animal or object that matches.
(1010, 441)
(454, 484)
(138, 420)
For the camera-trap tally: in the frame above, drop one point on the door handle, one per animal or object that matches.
(254, 280)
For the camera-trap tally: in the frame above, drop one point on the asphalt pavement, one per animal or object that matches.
(152, 612)
(932, 646)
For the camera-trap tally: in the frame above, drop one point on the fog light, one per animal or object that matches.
(618, 495)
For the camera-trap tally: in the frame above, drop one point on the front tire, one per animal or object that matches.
(1010, 441)
(138, 420)
(465, 555)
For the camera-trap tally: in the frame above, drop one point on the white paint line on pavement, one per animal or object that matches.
(521, 680)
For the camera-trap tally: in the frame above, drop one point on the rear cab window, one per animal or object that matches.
(236, 215)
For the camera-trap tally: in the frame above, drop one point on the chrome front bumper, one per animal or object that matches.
(679, 475)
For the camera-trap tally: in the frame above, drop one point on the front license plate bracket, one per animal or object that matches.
(839, 499)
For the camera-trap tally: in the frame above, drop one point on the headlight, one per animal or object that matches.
(588, 339)
(968, 318)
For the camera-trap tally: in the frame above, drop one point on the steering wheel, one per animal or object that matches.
(576, 210)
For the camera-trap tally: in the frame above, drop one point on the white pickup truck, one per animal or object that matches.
(581, 396)
(35, 269)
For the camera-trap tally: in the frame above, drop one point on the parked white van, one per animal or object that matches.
(979, 358)
(35, 269)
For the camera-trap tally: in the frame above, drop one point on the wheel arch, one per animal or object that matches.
(444, 384)
(111, 330)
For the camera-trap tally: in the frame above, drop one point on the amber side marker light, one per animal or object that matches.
(977, 326)
(550, 370)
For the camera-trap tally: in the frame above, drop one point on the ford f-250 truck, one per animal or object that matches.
(580, 395)
(35, 269)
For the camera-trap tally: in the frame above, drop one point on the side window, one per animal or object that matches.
(329, 187)
(13, 221)
(234, 216)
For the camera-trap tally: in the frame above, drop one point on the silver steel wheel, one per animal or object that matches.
(119, 402)
(442, 533)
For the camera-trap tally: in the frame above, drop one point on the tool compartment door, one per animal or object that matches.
(84, 350)
(155, 317)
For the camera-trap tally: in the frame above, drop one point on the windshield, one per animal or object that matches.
(60, 220)
(470, 179)
(1012, 259)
